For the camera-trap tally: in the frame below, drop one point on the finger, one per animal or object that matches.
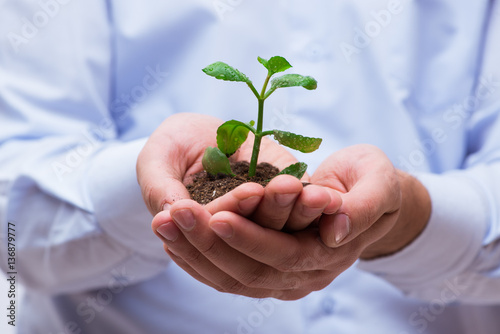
(228, 270)
(178, 248)
(231, 274)
(199, 267)
(181, 263)
(288, 286)
(311, 203)
(279, 198)
(302, 258)
(369, 188)
(284, 251)
(371, 197)
(242, 200)
(202, 249)
(229, 285)
(161, 183)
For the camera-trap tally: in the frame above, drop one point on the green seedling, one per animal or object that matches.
(232, 134)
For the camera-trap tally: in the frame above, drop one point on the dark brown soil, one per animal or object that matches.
(205, 187)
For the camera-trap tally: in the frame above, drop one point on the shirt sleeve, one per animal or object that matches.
(457, 256)
(67, 180)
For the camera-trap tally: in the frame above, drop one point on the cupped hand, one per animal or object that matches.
(383, 209)
(233, 254)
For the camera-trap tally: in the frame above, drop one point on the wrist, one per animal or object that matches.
(413, 217)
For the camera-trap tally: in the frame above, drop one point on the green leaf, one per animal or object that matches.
(214, 162)
(223, 71)
(294, 80)
(278, 64)
(231, 135)
(297, 142)
(275, 65)
(263, 62)
(298, 170)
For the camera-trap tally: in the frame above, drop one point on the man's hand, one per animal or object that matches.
(233, 254)
(383, 209)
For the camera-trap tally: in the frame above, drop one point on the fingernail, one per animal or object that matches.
(184, 218)
(169, 231)
(249, 203)
(167, 206)
(223, 230)
(284, 199)
(341, 227)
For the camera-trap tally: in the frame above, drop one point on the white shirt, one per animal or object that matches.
(83, 83)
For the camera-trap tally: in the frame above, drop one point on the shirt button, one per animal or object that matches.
(328, 305)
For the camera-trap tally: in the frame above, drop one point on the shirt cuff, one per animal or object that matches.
(117, 199)
(449, 243)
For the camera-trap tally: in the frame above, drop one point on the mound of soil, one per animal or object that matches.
(206, 187)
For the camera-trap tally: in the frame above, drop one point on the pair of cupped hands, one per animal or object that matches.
(284, 240)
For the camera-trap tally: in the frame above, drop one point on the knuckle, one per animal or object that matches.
(148, 196)
(273, 220)
(321, 280)
(295, 295)
(259, 277)
(393, 183)
(192, 256)
(293, 280)
(231, 285)
(291, 262)
(256, 249)
(371, 210)
(286, 295)
(210, 250)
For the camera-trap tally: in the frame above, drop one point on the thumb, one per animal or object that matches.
(161, 184)
(371, 199)
(161, 195)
